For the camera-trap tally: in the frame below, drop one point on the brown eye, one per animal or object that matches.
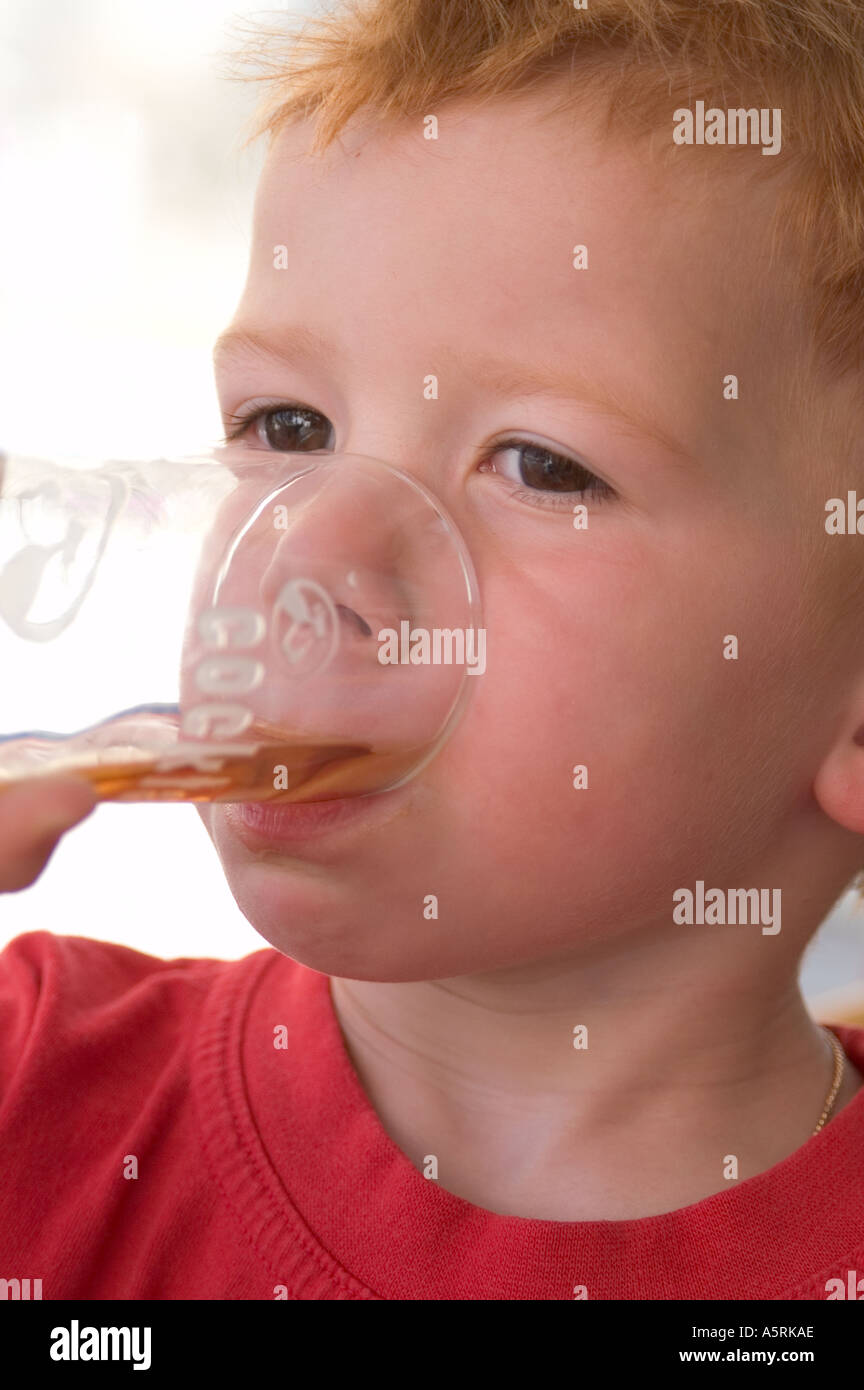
(541, 468)
(294, 427)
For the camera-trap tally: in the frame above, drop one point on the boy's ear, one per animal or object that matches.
(839, 783)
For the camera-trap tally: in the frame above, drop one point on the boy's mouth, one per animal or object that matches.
(262, 825)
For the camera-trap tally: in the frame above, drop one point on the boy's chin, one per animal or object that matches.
(357, 934)
(332, 928)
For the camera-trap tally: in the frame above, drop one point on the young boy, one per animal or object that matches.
(585, 1075)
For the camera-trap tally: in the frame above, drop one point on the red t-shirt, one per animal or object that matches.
(264, 1172)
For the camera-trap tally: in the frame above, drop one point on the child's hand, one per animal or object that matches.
(33, 816)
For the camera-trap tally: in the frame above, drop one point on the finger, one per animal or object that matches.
(33, 816)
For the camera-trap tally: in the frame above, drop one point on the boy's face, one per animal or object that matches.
(454, 258)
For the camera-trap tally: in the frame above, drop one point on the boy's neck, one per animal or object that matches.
(689, 1060)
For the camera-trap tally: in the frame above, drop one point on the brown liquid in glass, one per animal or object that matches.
(243, 769)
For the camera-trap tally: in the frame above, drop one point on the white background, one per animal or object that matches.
(124, 237)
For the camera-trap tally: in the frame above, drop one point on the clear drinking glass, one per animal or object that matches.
(233, 626)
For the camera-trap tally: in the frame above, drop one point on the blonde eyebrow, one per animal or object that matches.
(511, 379)
(295, 340)
(506, 379)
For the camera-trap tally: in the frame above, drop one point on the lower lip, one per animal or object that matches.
(261, 825)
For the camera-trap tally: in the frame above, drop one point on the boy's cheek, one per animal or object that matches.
(635, 689)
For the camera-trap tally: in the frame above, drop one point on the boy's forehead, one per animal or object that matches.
(510, 165)
(529, 176)
(481, 230)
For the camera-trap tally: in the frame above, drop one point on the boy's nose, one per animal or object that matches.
(346, 540)
(354, 619)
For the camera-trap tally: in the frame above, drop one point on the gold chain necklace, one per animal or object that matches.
(839, 1061)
